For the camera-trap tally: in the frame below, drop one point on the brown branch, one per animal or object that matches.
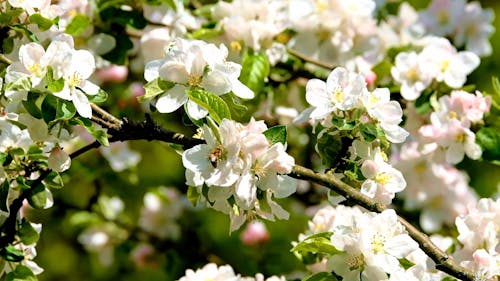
(106, 115)
(308, 59)
(148, 130)
(443, 261)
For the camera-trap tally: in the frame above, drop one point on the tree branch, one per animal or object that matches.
(149, 130)
(443, 261)
(308, 59)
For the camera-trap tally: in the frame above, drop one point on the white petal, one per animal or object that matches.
(174, 71)
(195, 111)
(81, 103)
(246, 191)
(196, 158)
(241, 90)
(216, 82)
(151, 70)
(90, 88)
(172, 99)
(83, 62)
(316, 94)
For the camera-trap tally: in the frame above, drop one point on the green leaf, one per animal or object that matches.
(216, 106)
(24, 30)
(37, 197)
(42, 22)
(3, 158)
(21, 273)
(316, 245)
(100, 135)
(10, 253)
(78, 25)
(100, 97)
(343, 124)
(236, 108)
(255, 69)
(422, 104)
(382, 69)
(54, 180)
(65, 110)
(20, 84)
(4, 193)
(193, 195)
(55, 86)
(132, 18)
(27, 233)
(329, 147)
(123, 44)
(489, 140)
(276, 134)
(10, 16)
(31, 105)
(49, 108)
(207, 33)
(154, 88)
(405, 263)
(321, 276)
(371, 132)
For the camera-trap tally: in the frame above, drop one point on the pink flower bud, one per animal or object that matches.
(255, 233)
(113, 73)
(370, 79)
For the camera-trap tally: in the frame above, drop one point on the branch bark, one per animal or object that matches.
(150, 131)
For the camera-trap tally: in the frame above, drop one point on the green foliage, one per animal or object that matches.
(21, 273)
(489, 140)
(276, 134)
(317, 243)
(193, 195)
(371, 131)
(405, 263)
(4, 193)
(255, 69)
(32, 104)
(10, 253)
(27, 233)
(42, 22)
(123, 44)
(132, 18)
(55, 109)
(154, 88)
(216, 106)
(78, 25)
(10, 16)
(328, 147)
(37, 197)
(100, 135)
(54, 180)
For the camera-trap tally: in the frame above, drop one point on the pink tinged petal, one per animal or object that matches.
(174, 71)
(241, 90)
(236, 221)
(383, 263)
(59, 160)
(277, 210)
(89, 88)
(31, 54)
(195, 64)
(81, 103)
(196, 158)
(410, 92)
(316, 94)
(394, 133)
(320, 112)
(304, 116)
(389, 113)
(151, 72)
(172, 99)
(196, 111)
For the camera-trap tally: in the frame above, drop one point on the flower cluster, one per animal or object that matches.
(222, 273)
(242, 170)
(479, 235)
(61, 69)
(439, 61)
(369, 246)
(189, 64)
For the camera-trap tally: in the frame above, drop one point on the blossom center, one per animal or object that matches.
(337, 96)
(378, 243)
(75, 79)
(412, 75)
(452, 115)
(35, 68)
(194, 80)
(355, 262)
(443, 17)
(383, 178)
(216, 155)
(460, 137)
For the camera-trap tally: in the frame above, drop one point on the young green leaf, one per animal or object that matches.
(276, 134)
(78, 25)
(255, 69)
(216, 106)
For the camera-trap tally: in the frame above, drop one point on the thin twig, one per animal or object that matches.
(5, 59)
(102, 122)
(308, 59)
(106, 115)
